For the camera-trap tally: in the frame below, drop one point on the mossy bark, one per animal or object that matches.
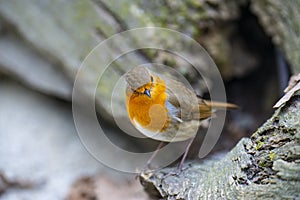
(56, 37)
(280, 19)
(266, 166)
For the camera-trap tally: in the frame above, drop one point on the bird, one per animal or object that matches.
(164, 108)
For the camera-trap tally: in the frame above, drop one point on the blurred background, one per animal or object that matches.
(255, 45)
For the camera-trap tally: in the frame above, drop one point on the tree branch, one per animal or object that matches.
(265, 166)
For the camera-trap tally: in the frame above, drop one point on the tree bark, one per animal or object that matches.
(53, 38)
(280, 20)
(265, 166)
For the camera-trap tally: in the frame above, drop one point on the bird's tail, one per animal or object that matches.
(207, 108)
(218, 105)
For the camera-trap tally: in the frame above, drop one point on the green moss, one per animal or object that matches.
(263, 163)
(272, 156)
(259, 145)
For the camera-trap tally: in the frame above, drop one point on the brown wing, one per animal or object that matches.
(183, 99)
(190, 106)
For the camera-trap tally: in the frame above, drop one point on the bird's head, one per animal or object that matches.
(140, 81)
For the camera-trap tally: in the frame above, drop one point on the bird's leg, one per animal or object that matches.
(161, 144)
(147, 166)
(179, 168)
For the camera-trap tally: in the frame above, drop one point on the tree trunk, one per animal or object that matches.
(53, 38)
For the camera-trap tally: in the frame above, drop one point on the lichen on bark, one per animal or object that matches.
(266, 166)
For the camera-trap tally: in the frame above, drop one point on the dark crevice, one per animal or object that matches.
(257, 91)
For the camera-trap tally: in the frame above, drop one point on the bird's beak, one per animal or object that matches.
(147, 92)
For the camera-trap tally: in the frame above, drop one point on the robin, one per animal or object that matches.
(164, 109)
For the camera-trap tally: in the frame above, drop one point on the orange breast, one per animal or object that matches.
(150, 112)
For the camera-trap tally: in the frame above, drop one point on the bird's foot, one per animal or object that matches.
(147, 169)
